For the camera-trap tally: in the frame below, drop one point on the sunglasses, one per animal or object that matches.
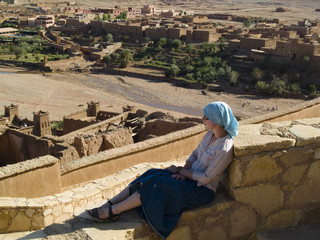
(205, 117)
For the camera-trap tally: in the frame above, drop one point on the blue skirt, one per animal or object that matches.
(163, 198)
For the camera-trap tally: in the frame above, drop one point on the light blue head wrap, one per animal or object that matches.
(221, 114)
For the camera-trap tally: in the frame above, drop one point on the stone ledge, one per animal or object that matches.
(251, 144)
(26, 166)
(305, 134)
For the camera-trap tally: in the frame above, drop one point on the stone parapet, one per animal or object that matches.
(272, 182)
(274, 171)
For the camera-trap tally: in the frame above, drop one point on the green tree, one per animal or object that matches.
(305, 62)
(104, 17)
(247, 23)
(109, 16)
(176, 43)
(262, 87)
(257, 74)
(190, 48)
(124, 15)
(20, 52)
(221, 43)
(172, 71)
(109, 37)
(233, 78)
(126, 56)
(277, 86)
(162, 42)
(107, 59)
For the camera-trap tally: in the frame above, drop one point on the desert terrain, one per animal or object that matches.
(64, 93)
(299, 9)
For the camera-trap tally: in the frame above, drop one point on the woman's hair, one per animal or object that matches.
(221, 114)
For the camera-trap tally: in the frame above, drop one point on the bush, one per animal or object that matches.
(294, 87)
(107, 59)
(257, 74)
(172, 71)
(277, 87)
(233, 78)
(262, 87)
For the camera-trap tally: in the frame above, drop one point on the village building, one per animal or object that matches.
(8, 31)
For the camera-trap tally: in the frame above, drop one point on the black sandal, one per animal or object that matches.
(95, 214)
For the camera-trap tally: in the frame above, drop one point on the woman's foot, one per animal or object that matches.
(103, 214)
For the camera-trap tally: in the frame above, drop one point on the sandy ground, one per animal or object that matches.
(64, 93)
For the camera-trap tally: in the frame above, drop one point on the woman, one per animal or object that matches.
(161, 195)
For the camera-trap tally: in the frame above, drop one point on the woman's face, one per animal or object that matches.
(208, 124)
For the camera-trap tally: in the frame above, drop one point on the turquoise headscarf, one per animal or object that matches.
(221, 114)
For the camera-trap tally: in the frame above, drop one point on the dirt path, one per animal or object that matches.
(63, 94)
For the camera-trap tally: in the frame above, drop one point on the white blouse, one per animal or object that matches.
(209, 160)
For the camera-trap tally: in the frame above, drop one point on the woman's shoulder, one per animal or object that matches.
(226, 143)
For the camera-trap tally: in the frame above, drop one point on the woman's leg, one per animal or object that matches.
(129, 203)
(124, 194)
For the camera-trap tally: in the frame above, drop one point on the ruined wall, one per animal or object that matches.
(78, 115)
(6, 152)
(161, 149)
(159, 127)
(16, 147)
(104, 115)
(70, 124)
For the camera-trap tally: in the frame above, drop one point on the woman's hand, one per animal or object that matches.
(178, 176)
(172, 169)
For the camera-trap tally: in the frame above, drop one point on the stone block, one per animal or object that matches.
(259, 170)
(242, 223)
(20, 223)
(265, 198)
(296, 156)
(68, 209)
(48, 220)
(307, 121)
(285, 218)
(180, 233)
(57, 210)
(29, 212)
(246, 145)
(293, 176)
(215, 233)
(235, 174)
(47, 211)
(305, 134)
(37, 221)
(250, 129)
(210, 220)
(4, 221)
(309, 190)
(317, 154)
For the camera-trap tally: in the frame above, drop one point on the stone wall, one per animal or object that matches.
(37, 177)
(273, 182)
(20, 146)
(70, 125)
